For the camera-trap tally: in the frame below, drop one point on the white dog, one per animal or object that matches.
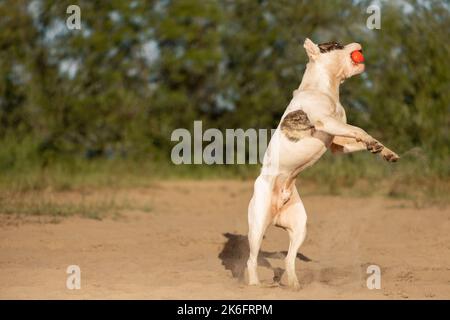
(313, 122)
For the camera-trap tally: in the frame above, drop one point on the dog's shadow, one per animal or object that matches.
(235, 253)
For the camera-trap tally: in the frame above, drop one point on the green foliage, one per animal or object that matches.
(137, 70)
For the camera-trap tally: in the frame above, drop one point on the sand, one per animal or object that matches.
(191, 244)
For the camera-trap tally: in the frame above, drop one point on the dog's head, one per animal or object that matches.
(335, 57)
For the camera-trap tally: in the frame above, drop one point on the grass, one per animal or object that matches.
(61, 204)
(42, 207)
(30, 187)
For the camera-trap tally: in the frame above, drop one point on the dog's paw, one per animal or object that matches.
(295, 285)
(374, 146)
(389, 155)
(254, 283)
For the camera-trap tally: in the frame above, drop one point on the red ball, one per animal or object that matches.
(357, 56)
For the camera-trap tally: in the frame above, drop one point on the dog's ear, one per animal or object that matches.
(312, 49)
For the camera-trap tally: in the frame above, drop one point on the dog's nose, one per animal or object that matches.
(354, 47)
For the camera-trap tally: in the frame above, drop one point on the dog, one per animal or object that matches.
(313, 122)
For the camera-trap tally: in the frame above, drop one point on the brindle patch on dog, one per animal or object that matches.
(330, 46)
(296, 125)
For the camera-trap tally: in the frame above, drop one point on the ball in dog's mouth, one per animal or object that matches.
(357, 56)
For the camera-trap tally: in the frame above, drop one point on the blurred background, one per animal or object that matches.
(97, 106)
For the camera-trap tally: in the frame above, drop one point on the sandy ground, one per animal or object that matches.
(191, 244)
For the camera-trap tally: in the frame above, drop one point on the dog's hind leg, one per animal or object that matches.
(258, 220)
(293, 219)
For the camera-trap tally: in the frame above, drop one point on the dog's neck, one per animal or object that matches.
(318, 77)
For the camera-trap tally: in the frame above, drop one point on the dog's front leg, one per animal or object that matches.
(346, 145)
(335, 127)
(362, 139)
